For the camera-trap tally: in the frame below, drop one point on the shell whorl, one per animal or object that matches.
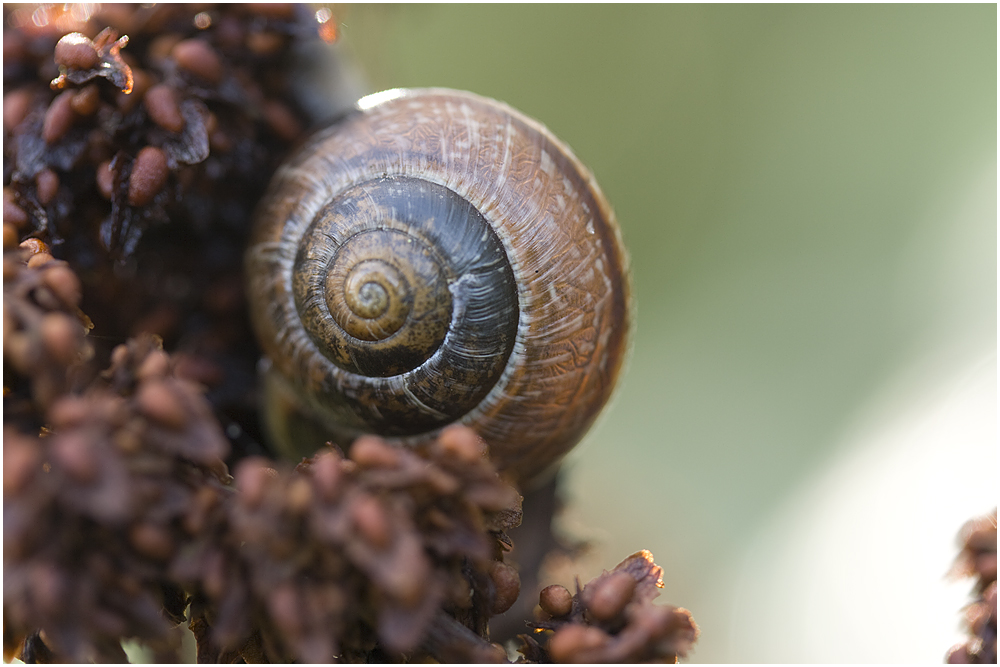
(436, 258)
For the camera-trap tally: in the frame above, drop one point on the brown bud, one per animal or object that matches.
(265, 43)
(556, 601)
(12, 213)
(155, 365)
(59, 117)
(299, 496)
(152, 540)
(163, 107)
(462, 443)
(21, 458)
(34, 246)
(373, 452)
(86, 100)
(10, 236)
(327, 474)
(76, 51)
(59, 335)
(75, 454)
(508, 586)
(252, 477)
(610, 595)
(39, 259)
(281, 120)
(371, 521)
(64, 283)
(105, 178)
(161, 404)
(197, 57)
(16, 105)
(46, 186)
(149, 174)
(69, 411)
(571, 642)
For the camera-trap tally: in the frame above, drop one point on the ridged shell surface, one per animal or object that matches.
(438, 257)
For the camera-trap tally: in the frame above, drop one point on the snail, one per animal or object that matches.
(435, 258)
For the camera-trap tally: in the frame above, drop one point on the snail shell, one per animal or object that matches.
(440, 258)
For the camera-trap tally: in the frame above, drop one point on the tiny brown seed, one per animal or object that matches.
(462, 443)
(15, 107)
(69, 411)
(59, 335)
(39, 259)
(64, 283)
(197, 57)
(21, 460)
(281, 120)
(105, 179)
(508, 586)
(265, 43)
(327, 474)
(12, 213)
(556, 601)
(284, 605)
(75, 454)
(572, 641)
(86, 100)
(34, 246)
(372, 452)
(149, 174)
(10, 236)
(155, 365)
(611, 593)
(119, 355)
(76, 51)
(159, 402)
(299, 496)
(59, 117)
(152, 541)
(46, 186)
(370, 519)
(163, 107)
(140, 84)
(252, 478)
(160, 47)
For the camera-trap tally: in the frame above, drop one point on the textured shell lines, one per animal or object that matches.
(559, 235)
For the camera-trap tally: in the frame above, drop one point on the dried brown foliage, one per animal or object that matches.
(611, 620)
(978, 558)
(137, 140)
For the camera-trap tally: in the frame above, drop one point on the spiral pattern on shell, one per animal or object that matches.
(438, 257)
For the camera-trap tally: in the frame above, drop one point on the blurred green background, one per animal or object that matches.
(808, 194)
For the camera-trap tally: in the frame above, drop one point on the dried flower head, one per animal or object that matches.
(96, 508)
(611, 620)
(340, 557)
(978, 558)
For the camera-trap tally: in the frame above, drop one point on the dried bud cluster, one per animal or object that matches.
(137, 139)
(341, 557)
(612, 620)
(159, 122)
(44, 332)
(978, 559)
(97, 507)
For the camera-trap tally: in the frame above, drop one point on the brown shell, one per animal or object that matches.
(569, 335)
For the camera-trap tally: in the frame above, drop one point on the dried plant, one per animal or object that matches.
(136, 141)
